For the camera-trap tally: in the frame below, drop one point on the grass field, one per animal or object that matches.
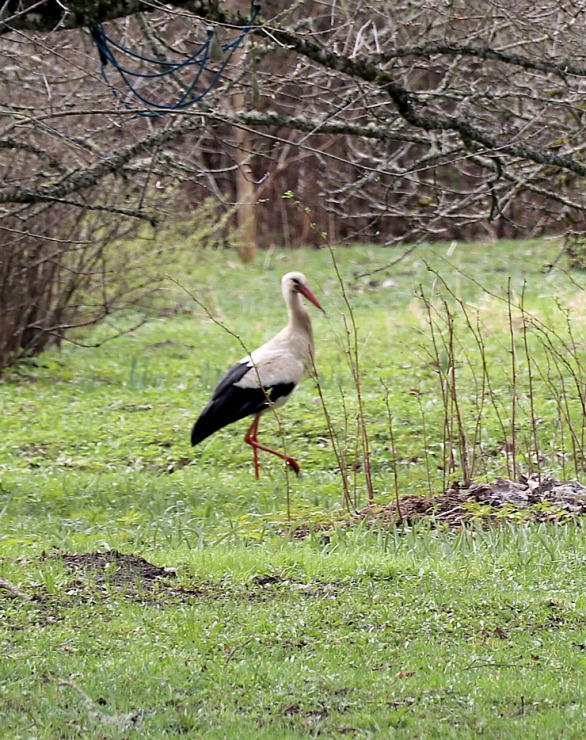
(152, 589)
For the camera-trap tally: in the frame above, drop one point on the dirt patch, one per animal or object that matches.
(95, 574)
(96, 577)
(269, 580)
(532, 499)
(115, 568)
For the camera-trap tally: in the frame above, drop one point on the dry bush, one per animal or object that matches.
(66, 271)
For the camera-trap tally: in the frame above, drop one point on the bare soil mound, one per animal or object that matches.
(115, 567)
(533, 498)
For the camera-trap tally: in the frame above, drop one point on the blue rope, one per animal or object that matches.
(199, 58)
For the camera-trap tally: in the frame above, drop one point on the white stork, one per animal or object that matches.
(267, 376)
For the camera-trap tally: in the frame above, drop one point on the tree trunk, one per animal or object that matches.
(246, 239)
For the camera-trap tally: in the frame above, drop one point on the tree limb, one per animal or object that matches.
(115, 162)
(548, 65)
(52, 15)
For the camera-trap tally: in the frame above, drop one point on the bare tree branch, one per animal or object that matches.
(548, 65)
(53, 15)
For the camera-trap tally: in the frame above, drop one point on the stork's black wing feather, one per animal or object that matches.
(230, 403)
(234, 374)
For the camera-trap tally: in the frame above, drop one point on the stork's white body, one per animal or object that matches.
(267, 376)
(284, 358)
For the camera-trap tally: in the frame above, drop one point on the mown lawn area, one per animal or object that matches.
(151, 589)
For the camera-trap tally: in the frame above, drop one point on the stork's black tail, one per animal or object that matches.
(234, 404)
(204, 427)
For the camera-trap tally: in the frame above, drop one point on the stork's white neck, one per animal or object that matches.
(298, 331)
(297, 312)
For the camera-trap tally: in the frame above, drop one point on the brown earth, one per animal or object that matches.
(533, 499)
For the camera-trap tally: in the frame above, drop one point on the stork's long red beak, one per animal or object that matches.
(304, 290)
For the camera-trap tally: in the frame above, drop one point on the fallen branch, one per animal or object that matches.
(132, 720)
(15, 591)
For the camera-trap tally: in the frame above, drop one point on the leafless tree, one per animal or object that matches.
(385, 121)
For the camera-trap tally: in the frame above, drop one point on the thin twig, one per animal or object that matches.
(393, 454)
(116, 721)
(15, 591)
(514, 381)
(235, 649)
(342, 466)
(531, 389)
(354, 361)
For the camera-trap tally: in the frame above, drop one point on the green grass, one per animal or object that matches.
(420, 632)
(431, 634)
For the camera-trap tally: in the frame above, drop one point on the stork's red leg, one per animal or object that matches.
(256, 463)
(251, 439)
